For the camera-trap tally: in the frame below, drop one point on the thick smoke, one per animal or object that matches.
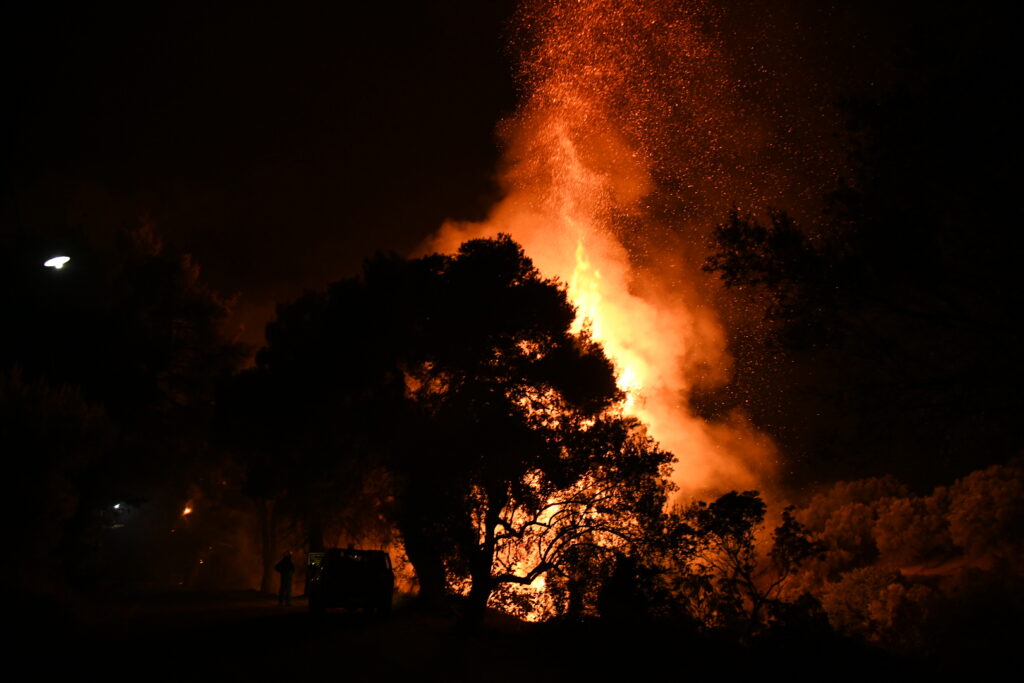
(632, 138)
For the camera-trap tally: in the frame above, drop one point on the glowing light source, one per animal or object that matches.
(117, 506)
(186, 512)
(56, 262)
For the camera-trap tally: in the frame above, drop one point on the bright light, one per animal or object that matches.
(56, 262)
(117, 506)
(186, 512)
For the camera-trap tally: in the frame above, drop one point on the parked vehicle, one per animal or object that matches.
(350, 578)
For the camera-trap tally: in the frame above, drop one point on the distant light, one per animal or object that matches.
(56, 262)
(186, 512)
(117, 506)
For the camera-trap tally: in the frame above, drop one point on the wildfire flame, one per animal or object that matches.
(611, 85)
(634, 137)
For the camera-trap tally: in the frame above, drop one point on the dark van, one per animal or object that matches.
(350, 578)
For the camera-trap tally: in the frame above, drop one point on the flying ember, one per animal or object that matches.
(622, 140)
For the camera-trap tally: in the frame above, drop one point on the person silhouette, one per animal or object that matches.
(286, 568)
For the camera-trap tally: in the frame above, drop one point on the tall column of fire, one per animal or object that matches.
(624, 141)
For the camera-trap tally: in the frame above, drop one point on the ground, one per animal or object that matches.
(226, 636)
(246, 636)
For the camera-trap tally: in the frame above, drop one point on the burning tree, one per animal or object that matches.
(720, 575)
(499, 426)
(613, 507)
(524, 457)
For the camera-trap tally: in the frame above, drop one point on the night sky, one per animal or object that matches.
(281, 147)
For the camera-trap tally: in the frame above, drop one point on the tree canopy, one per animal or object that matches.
(498, 425)
(892, 310)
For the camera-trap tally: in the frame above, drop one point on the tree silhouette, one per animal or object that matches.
(721, 576)
(310, 422)
(496, 423)
(527, 457)
(51, 438)
(891, 308)
(128, 331)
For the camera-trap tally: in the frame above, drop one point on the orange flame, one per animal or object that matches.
(633, 139)
(582, 161)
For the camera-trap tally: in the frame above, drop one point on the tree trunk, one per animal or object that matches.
(429, 568)
(480, 571)
(268, 543)
(315, 532)
(575, 610)
(479, 594)
(424, 551)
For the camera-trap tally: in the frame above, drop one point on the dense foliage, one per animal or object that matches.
(460, 378)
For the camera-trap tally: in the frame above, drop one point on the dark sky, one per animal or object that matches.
(281, 146)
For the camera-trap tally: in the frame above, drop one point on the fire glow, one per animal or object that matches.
(611, 86)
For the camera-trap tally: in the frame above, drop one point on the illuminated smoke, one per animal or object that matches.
(631, 139)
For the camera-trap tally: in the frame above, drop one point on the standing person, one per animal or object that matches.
(286, 568)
